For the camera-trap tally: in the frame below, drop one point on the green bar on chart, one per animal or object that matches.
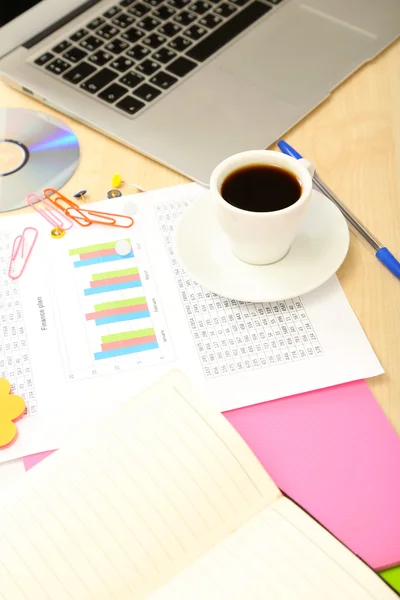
(127, 335)
(93, 248)
(119, 273)
(119, 303)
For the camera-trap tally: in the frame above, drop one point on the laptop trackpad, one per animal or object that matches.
(298, 54)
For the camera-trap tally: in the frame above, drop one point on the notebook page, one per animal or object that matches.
(121, 511)
(280, 554)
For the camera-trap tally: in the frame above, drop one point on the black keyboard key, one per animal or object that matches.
(154, 3)
(121, 64)
(185, 18)
(154, 40)
(148, 23)
(132, 79)
(163, 80)
(59, 49)
(78, 73)
(227, 32)
(180, 44)
(275, 1)
(210, 21)
(113, 93)
(164, 12)
(116, 46)
(148, 67)
(44, 58)
(147, 92)
(98, 81)
(169, 29)
(111, 12)
(74, 55)
(58, 66)
(138, 52)
(139, 9)
(179, 3)
(100, 57)
(239, 2)
(126, 3)
(164, 55)
(200, 7)
(181, 66)
(91, 43)
(130, 105)
(107, 32)
(95, 23)
(132, 35)
(78, 35)
(195, 32)
(225, 9)
(123, 20)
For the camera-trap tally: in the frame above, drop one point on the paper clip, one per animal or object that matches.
(100, 218)
(54, 216)
(19, 250)
(84, 216)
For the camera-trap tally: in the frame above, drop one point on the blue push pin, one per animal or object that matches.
(113, 193)
(80, 195)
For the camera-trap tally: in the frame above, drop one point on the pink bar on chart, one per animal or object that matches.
(97, 253)
(111, 280)
(121, 310)
(335, 453)
(126, 343)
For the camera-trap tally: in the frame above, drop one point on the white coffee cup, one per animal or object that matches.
(261, 237)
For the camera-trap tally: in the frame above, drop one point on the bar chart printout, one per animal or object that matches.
(121, 323)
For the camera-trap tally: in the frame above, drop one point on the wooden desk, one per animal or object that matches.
(354, 139)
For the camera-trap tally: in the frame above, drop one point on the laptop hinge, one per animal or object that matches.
(60, 23)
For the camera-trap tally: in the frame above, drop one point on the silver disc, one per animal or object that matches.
(36, 151)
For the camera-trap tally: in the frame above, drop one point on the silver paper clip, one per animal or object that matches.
(21, 251)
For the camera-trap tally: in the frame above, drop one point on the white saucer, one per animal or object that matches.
(319, 249)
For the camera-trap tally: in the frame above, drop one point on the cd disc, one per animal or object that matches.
(36, 151)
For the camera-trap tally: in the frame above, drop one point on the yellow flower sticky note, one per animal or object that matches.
(11, 408)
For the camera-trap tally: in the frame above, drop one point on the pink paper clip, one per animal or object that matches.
(53, 215)
(20, 252)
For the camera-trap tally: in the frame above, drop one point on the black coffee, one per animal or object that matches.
(261, 188)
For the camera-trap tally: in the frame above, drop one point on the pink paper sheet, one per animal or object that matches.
(33, 459)
(334, 452)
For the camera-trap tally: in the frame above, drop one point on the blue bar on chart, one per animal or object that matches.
(98, 253)
(113, 287)
(123, 351)
(143, 314)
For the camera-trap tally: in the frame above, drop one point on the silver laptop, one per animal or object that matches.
(189, 82)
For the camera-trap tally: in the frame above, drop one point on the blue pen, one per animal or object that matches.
(381, 252)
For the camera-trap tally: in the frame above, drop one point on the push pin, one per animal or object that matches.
(114, 193)
(57, 233)
(81, 195)
(116, 180)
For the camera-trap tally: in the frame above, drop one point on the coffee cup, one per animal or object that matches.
(261, 197)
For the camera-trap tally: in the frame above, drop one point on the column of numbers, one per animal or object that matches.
(14, 353)
(233, 336)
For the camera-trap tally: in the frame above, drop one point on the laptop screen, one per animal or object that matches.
(13, 9)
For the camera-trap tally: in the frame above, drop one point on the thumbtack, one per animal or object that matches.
(81, 195)
(116, 180)
(57, 232)
(114, 193)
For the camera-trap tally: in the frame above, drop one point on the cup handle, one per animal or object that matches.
(308, 165)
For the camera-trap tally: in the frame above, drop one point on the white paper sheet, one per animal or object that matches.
(76, 367)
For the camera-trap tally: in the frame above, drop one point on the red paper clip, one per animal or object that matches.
(19, 252)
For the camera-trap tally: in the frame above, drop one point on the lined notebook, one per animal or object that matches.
(164, 500)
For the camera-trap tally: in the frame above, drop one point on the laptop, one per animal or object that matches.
(189, 82)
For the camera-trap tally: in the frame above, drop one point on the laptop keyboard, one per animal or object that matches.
(138, 49)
